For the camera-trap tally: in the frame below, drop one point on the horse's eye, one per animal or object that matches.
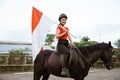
(113, 51)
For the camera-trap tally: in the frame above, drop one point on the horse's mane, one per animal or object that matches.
(89, 49)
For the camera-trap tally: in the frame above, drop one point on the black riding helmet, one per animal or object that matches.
(62, 16)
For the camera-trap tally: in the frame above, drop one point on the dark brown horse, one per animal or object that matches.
(48, 62)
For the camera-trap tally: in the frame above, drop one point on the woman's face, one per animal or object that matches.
(63, 21)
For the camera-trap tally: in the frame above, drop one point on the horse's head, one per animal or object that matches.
(107, 56)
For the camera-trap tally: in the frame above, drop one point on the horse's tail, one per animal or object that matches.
(38, 62)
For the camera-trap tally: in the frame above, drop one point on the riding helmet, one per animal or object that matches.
(62, 16)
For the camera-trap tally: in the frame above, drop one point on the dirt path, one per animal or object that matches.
(97, 74)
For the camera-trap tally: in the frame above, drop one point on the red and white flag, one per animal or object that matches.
(40, 26)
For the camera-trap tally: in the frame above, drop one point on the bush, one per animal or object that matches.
(17, 56)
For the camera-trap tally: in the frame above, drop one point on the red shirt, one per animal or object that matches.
(62, 30)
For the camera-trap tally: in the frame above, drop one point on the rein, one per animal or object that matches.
(82, 55)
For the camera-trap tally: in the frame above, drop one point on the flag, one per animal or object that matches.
(40, 26)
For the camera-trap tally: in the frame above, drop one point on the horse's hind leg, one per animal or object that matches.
(37, 76)
(46, 76)
(37, 73)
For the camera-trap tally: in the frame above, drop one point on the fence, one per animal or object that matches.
(24, 63)
(14, 63)
(20, 63)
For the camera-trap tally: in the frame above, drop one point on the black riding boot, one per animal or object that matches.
(64, 61)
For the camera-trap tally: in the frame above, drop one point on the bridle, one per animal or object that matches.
(108, 63)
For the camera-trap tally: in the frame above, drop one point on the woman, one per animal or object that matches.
(63, 35)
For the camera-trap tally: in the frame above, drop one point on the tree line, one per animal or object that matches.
(84, 41)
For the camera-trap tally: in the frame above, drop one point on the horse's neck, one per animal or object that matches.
(93, 56)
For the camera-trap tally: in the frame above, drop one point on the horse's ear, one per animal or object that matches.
(109, 43)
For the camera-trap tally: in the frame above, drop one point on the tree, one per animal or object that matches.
(117, 43)
(85, 41)
(49, 39)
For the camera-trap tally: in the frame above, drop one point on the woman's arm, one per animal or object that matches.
(70, 39)
(58, 33)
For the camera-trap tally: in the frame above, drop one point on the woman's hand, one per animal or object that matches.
(65, 31)
(72, 44)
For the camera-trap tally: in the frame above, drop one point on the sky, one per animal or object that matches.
(97, 19)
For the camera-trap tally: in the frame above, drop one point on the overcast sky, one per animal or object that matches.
(97, 19)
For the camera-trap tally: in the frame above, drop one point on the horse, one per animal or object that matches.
(81, 59)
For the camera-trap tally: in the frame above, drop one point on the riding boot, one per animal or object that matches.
(64, 61)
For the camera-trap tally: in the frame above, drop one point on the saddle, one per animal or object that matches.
(55, 58)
